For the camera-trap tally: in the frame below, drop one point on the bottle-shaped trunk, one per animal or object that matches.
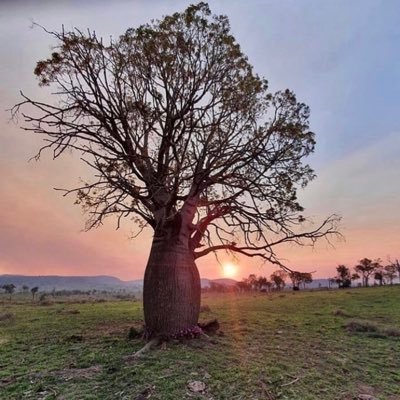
(171, 293)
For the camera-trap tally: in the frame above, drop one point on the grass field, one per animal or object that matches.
(301, 345)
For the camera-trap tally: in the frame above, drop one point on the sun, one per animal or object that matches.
(229, 269)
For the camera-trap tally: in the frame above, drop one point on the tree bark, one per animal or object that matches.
(171, 292)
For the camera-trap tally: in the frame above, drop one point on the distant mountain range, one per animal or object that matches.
(101, 282)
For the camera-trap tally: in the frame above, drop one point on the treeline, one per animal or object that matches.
(367, 270)
(276, 282)
(10, 289)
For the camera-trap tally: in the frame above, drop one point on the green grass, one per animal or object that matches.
(284, 346)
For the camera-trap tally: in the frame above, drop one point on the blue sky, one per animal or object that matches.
(342, 58)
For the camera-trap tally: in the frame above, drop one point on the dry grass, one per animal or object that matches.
(356, 325)
(294, 347)
(341, 313)
(7, 316)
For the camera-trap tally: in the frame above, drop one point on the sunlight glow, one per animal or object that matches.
(229, 269)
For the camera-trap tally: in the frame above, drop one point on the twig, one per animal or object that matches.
(291, 382)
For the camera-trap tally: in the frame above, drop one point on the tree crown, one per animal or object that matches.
(180, 133)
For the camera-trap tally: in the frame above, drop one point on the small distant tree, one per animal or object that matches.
(331, 281)
(253, 281)
(278, 278)
(9, 288)
(366, 268)
(378, 276)
(262, 283)
(389, 272)
(25, 288)
(299, 278)
(34, 290)
(343, 277)
(396, 265)
(379, 272)
(355, 276)
(295, 278)
(242, 286)
(305, 278)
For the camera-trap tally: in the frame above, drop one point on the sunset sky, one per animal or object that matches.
(342, 58)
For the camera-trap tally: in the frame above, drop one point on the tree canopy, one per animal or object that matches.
(181, 134)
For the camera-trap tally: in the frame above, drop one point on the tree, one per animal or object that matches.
(243, 286)
(378, 276)
(184, 138)
(262, 283)
(366, 268)
(278, 278)
(298, 278)
(396, 265)
(343, 277)
(9, 288)
(355, 276)
(389, 272)
(306, 277)
(252, 281)
(34, 291)
(331, 281)
(25, 288)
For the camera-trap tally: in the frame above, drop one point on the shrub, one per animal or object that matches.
(341, 313)
(7, 316)
(356, 325)
(391, 331)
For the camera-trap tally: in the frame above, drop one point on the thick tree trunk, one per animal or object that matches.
(171, 293)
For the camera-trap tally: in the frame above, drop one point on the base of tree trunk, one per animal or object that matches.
(171, 293)
(201, 330)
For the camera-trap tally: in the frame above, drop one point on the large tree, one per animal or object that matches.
(182, 135)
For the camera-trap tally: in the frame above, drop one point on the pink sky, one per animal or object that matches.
(358, 169)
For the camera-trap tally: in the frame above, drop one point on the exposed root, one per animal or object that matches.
(205, 336)
(148, 346)
(152, 343)
(201, 330)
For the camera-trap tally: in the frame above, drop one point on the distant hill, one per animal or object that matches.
(101, 282)
(50, 282)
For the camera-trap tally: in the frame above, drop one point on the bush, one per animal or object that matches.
(341, 313)
(356, 325)
(391, 331)
(7, 316)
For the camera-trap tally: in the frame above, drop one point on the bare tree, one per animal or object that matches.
(185, 138)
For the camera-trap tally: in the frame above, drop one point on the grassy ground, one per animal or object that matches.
(283, 346)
